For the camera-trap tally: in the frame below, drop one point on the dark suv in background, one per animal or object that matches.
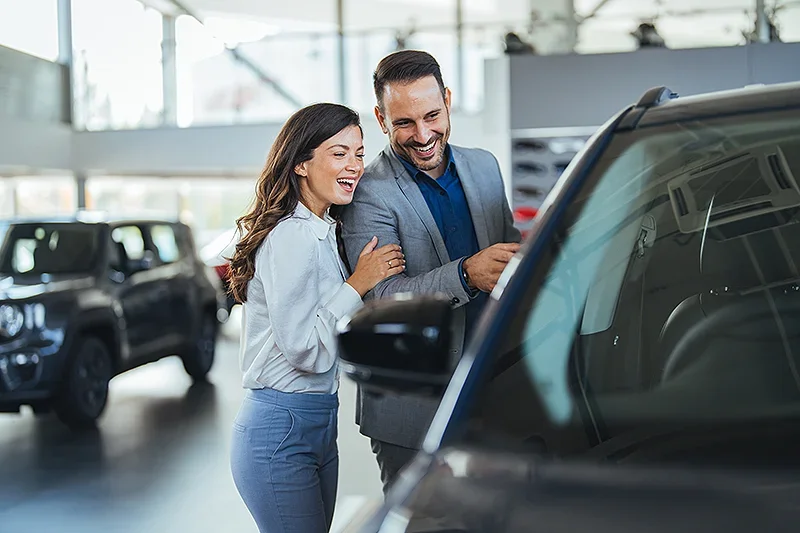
(82, 301)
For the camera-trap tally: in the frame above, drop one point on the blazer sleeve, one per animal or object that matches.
(368, 216)
(303, 324)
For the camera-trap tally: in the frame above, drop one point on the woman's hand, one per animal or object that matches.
(376, 265)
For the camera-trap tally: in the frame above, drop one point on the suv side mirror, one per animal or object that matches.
(400, 344)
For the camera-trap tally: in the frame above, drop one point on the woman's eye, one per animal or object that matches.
(339, 154)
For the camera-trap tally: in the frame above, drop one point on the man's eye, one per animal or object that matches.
(360, 156)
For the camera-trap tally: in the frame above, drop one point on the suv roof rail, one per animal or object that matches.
(655, 96)
(651, 98)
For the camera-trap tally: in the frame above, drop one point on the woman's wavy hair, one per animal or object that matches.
(278, 188)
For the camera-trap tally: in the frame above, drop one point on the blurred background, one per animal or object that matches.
(167, 108)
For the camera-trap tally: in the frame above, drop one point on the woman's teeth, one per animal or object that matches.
(347, 183)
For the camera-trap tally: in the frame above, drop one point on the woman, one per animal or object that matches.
(287, 272)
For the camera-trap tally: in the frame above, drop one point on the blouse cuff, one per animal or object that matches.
(344, 301)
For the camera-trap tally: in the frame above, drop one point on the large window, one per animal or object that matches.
(45, 195)
(117, 52)
(30, 26)
(667, 297)
(209, 205)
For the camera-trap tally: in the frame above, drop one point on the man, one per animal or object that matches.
(446, 207)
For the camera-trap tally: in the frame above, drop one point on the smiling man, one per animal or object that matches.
(446, 206)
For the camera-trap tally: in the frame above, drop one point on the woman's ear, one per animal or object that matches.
(301, 170)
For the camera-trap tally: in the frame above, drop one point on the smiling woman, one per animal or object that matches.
(294, 287)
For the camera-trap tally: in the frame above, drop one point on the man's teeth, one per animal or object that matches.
(426, 147)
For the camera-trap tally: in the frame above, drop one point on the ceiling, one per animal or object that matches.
(716, 23)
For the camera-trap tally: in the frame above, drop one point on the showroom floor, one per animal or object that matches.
(158, 462)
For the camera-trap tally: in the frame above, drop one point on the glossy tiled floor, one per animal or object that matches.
(158, 462)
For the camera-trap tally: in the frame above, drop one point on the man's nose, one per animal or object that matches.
(423, 133)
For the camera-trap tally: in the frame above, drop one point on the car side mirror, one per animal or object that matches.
(399, 344)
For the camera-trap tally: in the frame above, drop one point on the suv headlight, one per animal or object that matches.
(11, 320)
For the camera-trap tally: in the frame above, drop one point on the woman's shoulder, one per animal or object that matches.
(291, 232)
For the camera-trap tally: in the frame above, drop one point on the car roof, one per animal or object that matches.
(92, 217)
(752, 98)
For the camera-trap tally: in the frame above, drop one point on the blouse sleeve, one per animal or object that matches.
(304, 326)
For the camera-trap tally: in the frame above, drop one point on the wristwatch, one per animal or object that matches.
(466, 278)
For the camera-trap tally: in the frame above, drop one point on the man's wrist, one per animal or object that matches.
(465, 277)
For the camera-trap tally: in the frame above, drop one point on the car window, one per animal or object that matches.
(48, 249)
(670, 293)
(131, 239)
(165, 243)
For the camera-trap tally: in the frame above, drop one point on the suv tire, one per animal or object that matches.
(84, 390)
(200, 357)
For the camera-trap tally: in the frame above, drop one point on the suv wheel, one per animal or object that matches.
(200, 357)
(84, 390)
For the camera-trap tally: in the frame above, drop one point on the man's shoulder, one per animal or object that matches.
(475, 154)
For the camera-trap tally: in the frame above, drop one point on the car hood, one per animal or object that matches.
(26, 287)
(462, 491)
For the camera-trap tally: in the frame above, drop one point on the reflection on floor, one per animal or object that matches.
(158, 462)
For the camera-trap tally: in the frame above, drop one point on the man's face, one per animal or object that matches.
(416, 116)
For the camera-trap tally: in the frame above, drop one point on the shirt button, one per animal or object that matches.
(456, 300)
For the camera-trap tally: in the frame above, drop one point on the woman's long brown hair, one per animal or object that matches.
(278, 188)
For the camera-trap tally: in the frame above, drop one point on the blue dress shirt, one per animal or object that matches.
(448, 205)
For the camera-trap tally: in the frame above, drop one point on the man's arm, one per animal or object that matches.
(369, 216)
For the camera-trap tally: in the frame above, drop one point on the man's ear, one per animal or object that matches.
(301, 169)
(448, 98)
(381, 120)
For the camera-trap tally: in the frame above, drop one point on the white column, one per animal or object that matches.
(169, 71)
(64, 12)
(80, 187)
(762, 22)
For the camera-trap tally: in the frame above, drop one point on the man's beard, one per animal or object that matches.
(427, 164)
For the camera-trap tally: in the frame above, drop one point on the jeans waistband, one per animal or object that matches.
(295, 400)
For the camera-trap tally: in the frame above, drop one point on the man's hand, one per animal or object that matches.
(484, 268)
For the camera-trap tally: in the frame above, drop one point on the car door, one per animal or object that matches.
(174, 271)
(139, 290)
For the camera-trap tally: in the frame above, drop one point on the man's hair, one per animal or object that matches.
(405, 66)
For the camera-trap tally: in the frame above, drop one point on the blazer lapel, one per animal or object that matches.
(471, 185)
(412, 193)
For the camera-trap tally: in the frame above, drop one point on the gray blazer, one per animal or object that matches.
(389, 204)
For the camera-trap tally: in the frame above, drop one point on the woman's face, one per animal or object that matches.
(331, 175)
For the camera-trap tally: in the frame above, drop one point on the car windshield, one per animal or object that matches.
(48, 249)
(668, 297)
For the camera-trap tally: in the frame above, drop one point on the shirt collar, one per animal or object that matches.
(319, 226)
(414, 171)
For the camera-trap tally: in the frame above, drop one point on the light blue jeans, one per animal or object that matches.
(285, 461)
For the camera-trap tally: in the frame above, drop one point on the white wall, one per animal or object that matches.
(30, 147)
(222, 150)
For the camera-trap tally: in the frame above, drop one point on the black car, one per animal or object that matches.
(82, 301)
(638, 366)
